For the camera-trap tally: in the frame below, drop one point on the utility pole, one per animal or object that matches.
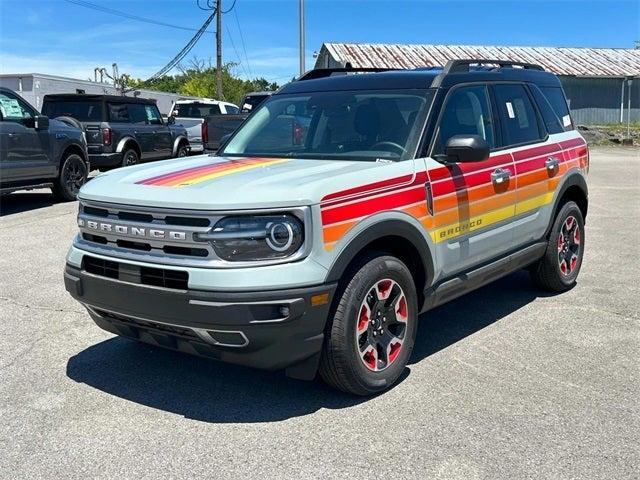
(302, 68)
(219, 49)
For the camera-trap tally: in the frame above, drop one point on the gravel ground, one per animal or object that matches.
(505, 382)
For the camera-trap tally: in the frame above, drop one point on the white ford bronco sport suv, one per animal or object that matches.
(345, 206)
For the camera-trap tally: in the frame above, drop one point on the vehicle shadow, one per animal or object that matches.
(25, 201)
(210, 391)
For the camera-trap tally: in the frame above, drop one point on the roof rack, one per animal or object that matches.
(454, 66)
(328, 72)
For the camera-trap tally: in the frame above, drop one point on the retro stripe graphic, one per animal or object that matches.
(203, 173)
(464, 197)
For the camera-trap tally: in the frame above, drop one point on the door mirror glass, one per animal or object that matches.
(465, 148)
(171, 120)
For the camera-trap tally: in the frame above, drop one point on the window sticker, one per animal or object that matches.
(566, 121)
(10, 108)
(510, 111)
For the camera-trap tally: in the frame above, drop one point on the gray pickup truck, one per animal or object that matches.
(38, 153)
(120, 130)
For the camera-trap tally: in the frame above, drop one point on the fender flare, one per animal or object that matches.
(176, 142)
(573, 179)
(384, 228)
(123, 141)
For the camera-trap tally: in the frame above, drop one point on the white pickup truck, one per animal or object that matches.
(191, 114)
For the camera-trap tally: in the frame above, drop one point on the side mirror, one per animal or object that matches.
(465, 148)
(41, 122)
(171, 120)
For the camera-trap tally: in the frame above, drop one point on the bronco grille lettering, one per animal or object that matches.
(132, 231)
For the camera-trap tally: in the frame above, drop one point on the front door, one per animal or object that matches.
(24, 152)
(162, 139)
(473, 204)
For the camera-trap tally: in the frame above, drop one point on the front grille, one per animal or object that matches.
(156, 277)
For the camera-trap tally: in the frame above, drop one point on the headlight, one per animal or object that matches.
(256, 237)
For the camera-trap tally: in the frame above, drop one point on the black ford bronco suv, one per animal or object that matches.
(36, 152)
(120, 131)
(341, 209)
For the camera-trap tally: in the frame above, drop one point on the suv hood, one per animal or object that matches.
(223, 183)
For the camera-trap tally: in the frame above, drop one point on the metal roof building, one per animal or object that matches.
(598, 81)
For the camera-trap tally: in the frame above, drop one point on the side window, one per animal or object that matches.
(152, 115)
(551, 120)
(518, 117)
(555, 95)
(232, 109)
(467, 112)
(118, 112)
(137, 113)
(14, 109)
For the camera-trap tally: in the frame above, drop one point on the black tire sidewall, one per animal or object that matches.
(62, 191)
(568, 209)
(182, 148)
(375, 270)
(124, 157)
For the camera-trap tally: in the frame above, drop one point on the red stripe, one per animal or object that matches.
(461, 169)
(574, 142)
(373, 205)
(367, 188)
(536, 151)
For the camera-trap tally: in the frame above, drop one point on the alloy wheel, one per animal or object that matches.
(569, 246)
(381, 325)
(74, 175)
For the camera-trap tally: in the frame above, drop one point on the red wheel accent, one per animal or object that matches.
(569, 245)
(381, 325)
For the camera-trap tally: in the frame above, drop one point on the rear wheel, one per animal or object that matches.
(371, 335)
(558, 270)
(73, 175)
(183, 151)
(130, 157)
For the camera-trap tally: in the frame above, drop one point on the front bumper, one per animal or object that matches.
(272, 330)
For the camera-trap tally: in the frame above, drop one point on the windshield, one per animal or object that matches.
(196, 110)
(358, 125)
(82, 110)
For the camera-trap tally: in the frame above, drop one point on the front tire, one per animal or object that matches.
(73, 175)
(370, 338)
(558, 269)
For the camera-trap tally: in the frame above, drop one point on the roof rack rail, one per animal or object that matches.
(327, 72)
(454, 66)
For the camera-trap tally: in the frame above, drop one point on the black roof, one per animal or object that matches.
(66, 97)
(341, 79)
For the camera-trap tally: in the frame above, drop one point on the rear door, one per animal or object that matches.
(24, 150)
(473, 204)
(162, 138)
(142, 130)
(538, 157)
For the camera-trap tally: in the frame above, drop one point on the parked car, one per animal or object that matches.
(120, 131)
(251, 100)
(36, 152)
(192, 115)
(313, 246)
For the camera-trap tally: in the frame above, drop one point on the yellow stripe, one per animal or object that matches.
(533, 203)
(224, 173)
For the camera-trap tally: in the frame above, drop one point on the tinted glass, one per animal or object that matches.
(518, 117)
(252, 101)
(153, 115)
(84, 111)
(196, 110)
(137, 113)
(13, 109)
(358, 125)
(467, 112)
(549, 117)
(118, 112)
(555, 95)
(232, 109)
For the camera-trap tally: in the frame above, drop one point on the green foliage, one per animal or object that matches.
(199, 80)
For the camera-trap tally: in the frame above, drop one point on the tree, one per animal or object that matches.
(198, 79)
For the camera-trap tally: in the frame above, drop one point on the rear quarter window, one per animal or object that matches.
(83, 111)
(558, 102)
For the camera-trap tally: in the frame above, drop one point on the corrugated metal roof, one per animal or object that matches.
(609, 62)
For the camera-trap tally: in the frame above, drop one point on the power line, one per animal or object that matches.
(119, 13)
(232, 7)
(244, 48)
(236, 50)
(187, 48)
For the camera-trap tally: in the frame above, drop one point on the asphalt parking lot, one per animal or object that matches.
(506, 382)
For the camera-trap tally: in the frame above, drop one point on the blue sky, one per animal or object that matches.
(57, 37)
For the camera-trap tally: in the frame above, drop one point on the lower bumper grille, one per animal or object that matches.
(156, 277)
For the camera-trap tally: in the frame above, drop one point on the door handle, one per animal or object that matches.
(135, 132)
(552, 163)
(500, 176)
(154, 132)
